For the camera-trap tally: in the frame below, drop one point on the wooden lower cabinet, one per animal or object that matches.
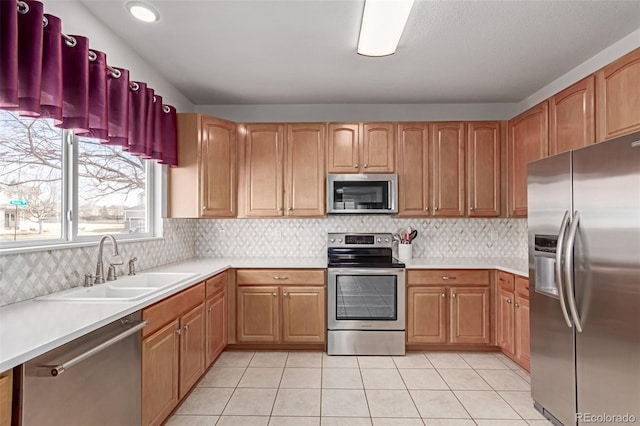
(192, 348)
(160, 371)
(6, 392)
(448, 314)
(216, 327)
(303, 314)
(258, 313)
(513, 318)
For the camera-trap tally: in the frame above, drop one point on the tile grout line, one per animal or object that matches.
(235, 388)
(407, 388)
(451, 390)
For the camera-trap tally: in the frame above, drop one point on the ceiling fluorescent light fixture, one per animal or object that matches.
(383, 22)
(143, 11)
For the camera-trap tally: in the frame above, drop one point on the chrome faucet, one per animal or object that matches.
(111, 276)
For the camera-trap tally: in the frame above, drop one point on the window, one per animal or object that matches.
(103, 188)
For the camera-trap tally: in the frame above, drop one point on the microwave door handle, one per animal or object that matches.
(558, 268)
(568, 272)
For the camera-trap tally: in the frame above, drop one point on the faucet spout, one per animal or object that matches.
(100, 266)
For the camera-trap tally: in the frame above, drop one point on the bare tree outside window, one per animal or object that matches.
(112, 184)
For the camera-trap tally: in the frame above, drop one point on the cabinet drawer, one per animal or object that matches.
(522, 287)
(171, 308)
(215, 284)
(280, 276)
(448, 276)
(505, 281)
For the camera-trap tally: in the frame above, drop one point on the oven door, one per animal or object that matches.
(366, 299)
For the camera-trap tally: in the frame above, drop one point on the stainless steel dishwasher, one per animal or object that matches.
(92, 380)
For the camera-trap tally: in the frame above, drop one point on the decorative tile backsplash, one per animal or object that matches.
(307, 237)
(28, 275)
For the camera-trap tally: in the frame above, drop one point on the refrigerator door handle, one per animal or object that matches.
(558, 269)
(568, 272)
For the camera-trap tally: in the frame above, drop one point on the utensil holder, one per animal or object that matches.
(405, 251)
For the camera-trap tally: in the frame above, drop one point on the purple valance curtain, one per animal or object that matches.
(48, 74)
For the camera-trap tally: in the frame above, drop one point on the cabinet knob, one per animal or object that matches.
(471, 208)
(442, 294)
(274, 294)
(285, 294)
(280, 209)
(517, 305)
(204, 208)
(186, 327)
(447, 278)
(210, 309)
(290, 208)
(178, 332)
(366, 166)
(356, 165)
(426, 209)
(509, 301)
(280, 277)
(437, 208)
(453, 295)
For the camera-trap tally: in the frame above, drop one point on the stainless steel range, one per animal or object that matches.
(366, 296)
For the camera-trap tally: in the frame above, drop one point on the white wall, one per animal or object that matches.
(76, 19)
(360, 112)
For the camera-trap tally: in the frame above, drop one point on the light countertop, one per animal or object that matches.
(31, 328)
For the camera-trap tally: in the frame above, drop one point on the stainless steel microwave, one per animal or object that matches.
(362, 194)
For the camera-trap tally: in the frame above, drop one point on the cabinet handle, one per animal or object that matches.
(471, 208)
(204, 208)
(274, 294)
(447, 278)
(186, 327)
(210, 309)
(366, 166)
(509, 301)
(290, 208)
(503, 280)
(178, 332)
(453, 295)
(443, 295)
(517, 306)
(437, 208)
(280, 209)
(284, 277)
(285, 294)
(356, 165)
(426, 209)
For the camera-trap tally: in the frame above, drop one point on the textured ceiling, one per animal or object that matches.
(304, 51)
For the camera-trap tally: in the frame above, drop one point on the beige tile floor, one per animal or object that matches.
(312, 388)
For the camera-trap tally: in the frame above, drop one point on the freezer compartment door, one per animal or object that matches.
(607, 276)
(553, 385)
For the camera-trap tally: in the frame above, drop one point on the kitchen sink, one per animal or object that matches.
(151, 280)
(125, 289)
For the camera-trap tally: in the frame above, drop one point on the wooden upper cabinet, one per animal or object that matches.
(305, 170)
(263, 174)
(483, 169)
(571, 117)
(448, 140)
(528, 135)
(618, 97)
(361, 148)
(377, 148)
(413, 165)
(344, 148)
(204, 183)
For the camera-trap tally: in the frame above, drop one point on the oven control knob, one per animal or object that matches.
(332, 240)
(339, 240)
(386, 240)
(379, 240)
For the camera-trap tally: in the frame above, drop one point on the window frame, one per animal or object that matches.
(69, 213)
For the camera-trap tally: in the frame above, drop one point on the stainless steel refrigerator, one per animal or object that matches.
(584, 258)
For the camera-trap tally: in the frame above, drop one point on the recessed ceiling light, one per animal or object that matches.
(383, 22)
(143, 11)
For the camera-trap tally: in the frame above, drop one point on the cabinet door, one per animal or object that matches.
(522, 333)
(426, 314)
(192, 348)
(6, 391)
(263, 170)
(216, 324)
(618, 88)
(160, 371)
(571, 117)
(413, 169)
(470, 315)
(218, 168)
(343, 150)
(506, 326)
(377, 148)
(448, 142)
(527, 141)
(304, 170)
(303, 315)
(483, 169)
(258, 310)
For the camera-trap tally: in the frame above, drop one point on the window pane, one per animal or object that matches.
(30, 179)
(112, 187)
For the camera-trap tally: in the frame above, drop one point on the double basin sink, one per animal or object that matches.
(124, 289)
